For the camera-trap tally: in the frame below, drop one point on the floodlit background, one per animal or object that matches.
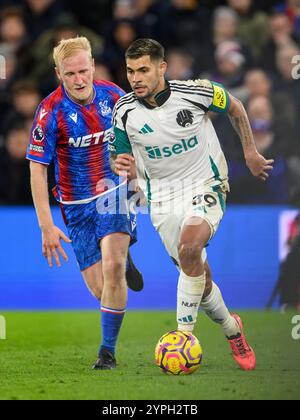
(252, 47)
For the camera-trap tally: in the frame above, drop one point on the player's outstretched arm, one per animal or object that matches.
(258, 165)
(51, 235)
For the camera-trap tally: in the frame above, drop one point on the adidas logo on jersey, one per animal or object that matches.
(156, 152)
(146, 130)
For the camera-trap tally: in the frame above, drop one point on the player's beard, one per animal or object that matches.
(150, 93)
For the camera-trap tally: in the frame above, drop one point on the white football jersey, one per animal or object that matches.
(174, 144)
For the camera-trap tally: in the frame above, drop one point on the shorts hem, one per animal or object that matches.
(89, 264)
(212, 229)
(133, 239)
(95, 260)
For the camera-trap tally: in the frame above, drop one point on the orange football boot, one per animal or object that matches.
(242, 353)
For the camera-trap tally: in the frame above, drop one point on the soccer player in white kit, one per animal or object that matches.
(163, 133)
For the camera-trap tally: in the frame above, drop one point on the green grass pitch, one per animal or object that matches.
(48, 355)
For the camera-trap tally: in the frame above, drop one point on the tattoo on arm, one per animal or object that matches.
(242, 126)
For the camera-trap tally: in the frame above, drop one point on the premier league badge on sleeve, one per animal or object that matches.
(38, 134)
(111, 142)
(112, 137)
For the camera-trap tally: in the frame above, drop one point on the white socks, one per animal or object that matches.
(189, 295)
(189, 299)
(216, 310)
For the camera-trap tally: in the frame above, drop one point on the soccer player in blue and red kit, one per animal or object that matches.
(72, 127)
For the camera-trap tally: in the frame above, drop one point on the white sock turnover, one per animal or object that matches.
(215, 308)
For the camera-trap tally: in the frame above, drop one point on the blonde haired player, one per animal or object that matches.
(163, 127)
(72, 127)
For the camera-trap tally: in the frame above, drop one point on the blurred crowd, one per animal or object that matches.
(251, 47)
(288, 284)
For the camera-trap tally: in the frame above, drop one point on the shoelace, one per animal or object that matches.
(240, 346)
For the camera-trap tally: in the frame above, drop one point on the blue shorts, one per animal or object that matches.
(88, 223)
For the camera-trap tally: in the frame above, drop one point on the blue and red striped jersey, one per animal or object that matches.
(76, 138)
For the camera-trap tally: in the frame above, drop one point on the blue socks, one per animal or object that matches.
(111, 321)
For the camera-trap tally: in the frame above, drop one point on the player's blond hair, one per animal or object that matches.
(68, 47)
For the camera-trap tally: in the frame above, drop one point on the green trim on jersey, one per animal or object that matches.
(215, 169)
(222, 201)
(216, 188)
(149, 193)
(121, 144)
(221, 100)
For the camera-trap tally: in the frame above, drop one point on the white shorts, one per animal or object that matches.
(169, 218)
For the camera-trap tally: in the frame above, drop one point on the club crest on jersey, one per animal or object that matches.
(38, 134)
(104, 108)
(185, 118)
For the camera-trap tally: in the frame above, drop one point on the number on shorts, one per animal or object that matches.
(210, 200)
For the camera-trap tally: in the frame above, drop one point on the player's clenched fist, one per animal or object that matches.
(125, 166)
(51, 244)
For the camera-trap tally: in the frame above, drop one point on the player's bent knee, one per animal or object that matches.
(189, 252)
(113, 268)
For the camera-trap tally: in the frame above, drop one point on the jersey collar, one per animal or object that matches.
(161, 98)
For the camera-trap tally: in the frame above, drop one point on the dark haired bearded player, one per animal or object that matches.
(164, 129)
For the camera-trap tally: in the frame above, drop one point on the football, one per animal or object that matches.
(178, 353)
